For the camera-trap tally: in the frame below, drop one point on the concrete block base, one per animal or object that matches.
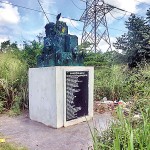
(48, 94)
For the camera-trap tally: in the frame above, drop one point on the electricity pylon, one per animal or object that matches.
(95, 28)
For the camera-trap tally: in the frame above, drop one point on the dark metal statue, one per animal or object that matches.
(58, 17)
(60, 48)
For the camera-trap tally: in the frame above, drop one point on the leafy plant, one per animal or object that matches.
(135, 43)
(13, 81)
(96, 59)
(122, 135)
(1, 106)
(30, 52)
(118, 82)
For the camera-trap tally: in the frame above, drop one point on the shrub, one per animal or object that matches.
(13, 81)
(123, 134)
(97, 59)
(109, 82)
(118, 82)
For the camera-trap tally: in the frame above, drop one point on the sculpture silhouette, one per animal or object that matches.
(58, 17)
(60, 48)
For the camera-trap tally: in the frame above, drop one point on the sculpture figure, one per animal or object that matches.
(58, 17)
(60, 48)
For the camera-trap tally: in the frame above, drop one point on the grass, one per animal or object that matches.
(8, 146)
(13, 83)
(117, 82)
(126, 133)
(109, 82)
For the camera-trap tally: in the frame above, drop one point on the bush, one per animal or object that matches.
(109, 83)
(14, 64)
(118, 82)
(96, 60)
(123, 134)
(13, 82)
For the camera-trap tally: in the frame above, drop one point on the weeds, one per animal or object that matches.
(117, 82)
(8, 146)
(13, 83)
(126, 134)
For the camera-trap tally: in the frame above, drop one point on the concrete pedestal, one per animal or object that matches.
(47, 95)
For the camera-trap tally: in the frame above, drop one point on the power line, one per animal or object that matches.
(25, 7)
(74, 26)
(72, 19)
(62, 16)
(43, 11)
(120, 8)
(76, 5)
(65, 17)
(35, 10)
(94, 17)
(124, 10)
(118, 18)
(125, 13)
(108, 27)
(119, 12)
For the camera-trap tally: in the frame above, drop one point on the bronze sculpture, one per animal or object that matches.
(60, 48)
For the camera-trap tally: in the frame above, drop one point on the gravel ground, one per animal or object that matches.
(37, 136)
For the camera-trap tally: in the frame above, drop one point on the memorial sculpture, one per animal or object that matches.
(60, 48)
(60, 88)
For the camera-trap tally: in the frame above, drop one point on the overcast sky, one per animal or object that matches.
(20, 24)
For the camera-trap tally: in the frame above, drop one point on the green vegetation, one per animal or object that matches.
(135, 44)
(13, 79)
(8, 146)
(118, 76)
(127, 133)
(14, 65)
(125, 76)
(118, 82)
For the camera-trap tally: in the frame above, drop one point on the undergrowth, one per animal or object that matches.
(13, 83)
(118, 82)
(126, 133)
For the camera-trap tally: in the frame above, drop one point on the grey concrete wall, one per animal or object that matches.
(47, 99)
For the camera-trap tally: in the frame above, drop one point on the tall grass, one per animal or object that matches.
(13, 82)
(124, 134)
(109, 82)
(118, 82)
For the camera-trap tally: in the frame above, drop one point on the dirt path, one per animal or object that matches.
(37, 136)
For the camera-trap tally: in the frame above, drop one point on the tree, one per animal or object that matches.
(148, 15)
(40, 38)
(30, 52)
(85, 47)
(8, 46)
(135, 43)
(14, 46)
(5, 45)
